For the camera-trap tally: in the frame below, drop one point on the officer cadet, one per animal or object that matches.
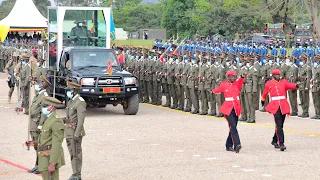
(25, 82)
(304, 75)
(142, 69)
(292, 77)
(171, 83)
(231, 107)
(203, 68)
(74, 130)
(178, 78)
(148, 78)
(193, 85)
(184, 82)
(278, 105)
(250, 86)
(50, 152)
(164, 79)
(156, 68)
(315, 87)
(36, 117)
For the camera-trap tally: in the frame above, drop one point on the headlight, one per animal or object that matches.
(298, 39)
(87, 81)
(130, 80)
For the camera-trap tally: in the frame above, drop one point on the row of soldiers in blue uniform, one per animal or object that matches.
(186, 75)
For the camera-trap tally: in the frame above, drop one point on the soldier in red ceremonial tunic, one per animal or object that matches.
(278, 105)
(231, 108)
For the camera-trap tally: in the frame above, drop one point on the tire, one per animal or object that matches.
(131, 106)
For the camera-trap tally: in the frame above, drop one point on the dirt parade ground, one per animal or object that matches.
(160, 143)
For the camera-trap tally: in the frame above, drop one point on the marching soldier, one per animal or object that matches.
(304, 75)
(74, 131)
(50, 152)
(315, 89)
(36, 117)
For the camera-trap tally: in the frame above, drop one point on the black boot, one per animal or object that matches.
(230, 149)
(283, 147)
(275, 144)
(251, 121)
(243, 119)
(237, 148)
(187, 110)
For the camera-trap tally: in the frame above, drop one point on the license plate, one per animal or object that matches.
(111, 90)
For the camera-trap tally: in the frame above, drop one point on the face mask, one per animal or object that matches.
(137, 57)
(290, 63)
(38, 64)
(80, 24)
(37, 88)
(228, 64)
(209, 63)
(240, 64)
(69, 94)
(280, 46)
(264, 61)
(280, 62)
(171, 59)
(24, 63)
(301, 63)
(237, 59)
(193, 62)
(200, 63)
(248, 65)
(155, 58)
(315, 64)
(177, 61)
(270, 61)
(216, 63)
(45, 111)
(117, 52)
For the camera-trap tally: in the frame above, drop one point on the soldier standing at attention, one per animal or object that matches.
(231, 108)
(203, 68)
(178, 79)
(157, 66)
(193, 85)
(292, 77)
(184, 81)
(36, 117)
(304, 76)
(170, 79)
(316, 87)
(251, 83)
(50, 152)
(74, 131)
(25, 82)
(164, 81)
(278, 105)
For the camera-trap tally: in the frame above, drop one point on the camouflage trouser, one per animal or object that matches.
(54, 175)
(71, 148)
(10, 92)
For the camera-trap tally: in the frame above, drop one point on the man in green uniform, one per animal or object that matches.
(36, 116)
(148, 78)
(156, 68)
(25, 78)
(243, 70)
(250, 86)
(74, 130)
(257, 66)
(219, 76)
(10, 70)
(209, 85)
(50, 152)
(266, 76)
(164, 82)
(203, 68)
(179, 88)
(292, 77)
(193, 85)
(184, 83)
(315, 88)
(304, 74)
(171, 80)
(144, 66)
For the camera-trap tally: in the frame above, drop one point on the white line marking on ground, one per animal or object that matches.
(196, 155)
(248, 170)
(6, 107)
(235, 166)
(267, 175)
(154, 144)
(211, 158)
(179, 151)
(130, 139)
(109, 134)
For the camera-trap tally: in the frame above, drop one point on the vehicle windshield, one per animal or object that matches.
(82, 59)
(302, 33)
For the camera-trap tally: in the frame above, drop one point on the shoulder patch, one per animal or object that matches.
(81, 99)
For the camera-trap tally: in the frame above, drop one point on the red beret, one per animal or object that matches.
(34, 50)
(276, 72)
(231, 73)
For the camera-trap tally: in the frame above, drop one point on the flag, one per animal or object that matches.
(109, 68)
(112, 28)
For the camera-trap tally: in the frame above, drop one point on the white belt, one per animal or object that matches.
(231, 98)
(277, 98)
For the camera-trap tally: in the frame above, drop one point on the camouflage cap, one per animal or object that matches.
(50, 101)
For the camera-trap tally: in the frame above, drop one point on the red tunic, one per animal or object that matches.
(278, 95)
(121, 58)
(231, 93)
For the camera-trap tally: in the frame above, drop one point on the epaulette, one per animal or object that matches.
(57, 116)
(81, 99)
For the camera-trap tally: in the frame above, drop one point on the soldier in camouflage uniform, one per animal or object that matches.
(36, 116)
(10, 71)
(74, 130)
(315, 88)
(304, 75)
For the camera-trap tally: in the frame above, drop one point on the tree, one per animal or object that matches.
(312, 8)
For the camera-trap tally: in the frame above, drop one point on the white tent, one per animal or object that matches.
(25, 14)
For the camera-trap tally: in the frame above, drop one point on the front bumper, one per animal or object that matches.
(97, 93)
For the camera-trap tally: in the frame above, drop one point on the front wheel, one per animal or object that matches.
(131, 105)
